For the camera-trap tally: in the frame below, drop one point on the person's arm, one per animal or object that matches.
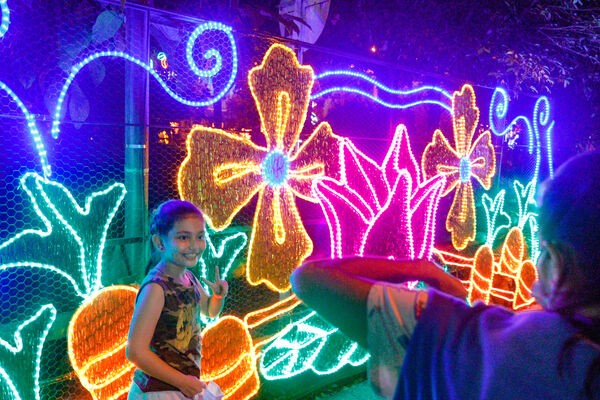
(145, 316)
(338, 289)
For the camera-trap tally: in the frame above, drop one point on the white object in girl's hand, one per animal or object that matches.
(212, 391)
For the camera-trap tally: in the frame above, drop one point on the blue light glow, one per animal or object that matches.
(464, 169)
(541, 117)
(35, 133)
(375, 99)
(381, 85)
(5, 17)
(275, 168)
(210, 53)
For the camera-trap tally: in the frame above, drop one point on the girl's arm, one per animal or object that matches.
(145, 316)
(338, 289)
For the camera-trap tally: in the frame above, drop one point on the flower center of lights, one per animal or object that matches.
(275, 168)
(464, 169)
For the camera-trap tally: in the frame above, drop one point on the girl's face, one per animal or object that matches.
(548, 275)
(185, 242)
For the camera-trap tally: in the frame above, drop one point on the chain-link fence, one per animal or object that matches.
(95, 96)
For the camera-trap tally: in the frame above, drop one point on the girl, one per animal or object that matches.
(164, 336)
(428, 345)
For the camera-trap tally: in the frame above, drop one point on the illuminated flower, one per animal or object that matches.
(460, 164)
(223, 171)
(381, 210)
(507, 282)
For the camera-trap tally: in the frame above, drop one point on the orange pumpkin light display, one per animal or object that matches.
(506, 282)
(97, 338)
(228, 358)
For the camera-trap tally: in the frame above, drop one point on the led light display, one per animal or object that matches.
(373, 202)
(460, 164)
(211, 53)
(541, 118)
(223, 171)
(5, 21)
(97, 338)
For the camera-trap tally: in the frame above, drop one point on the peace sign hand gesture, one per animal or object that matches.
(219, 287)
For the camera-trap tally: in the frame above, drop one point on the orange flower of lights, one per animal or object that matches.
(460, 164)
(223, 171)
(507, 282)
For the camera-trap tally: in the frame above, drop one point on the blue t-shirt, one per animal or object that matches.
(487, 352)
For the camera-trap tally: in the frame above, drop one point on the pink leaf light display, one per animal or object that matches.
(381, 210)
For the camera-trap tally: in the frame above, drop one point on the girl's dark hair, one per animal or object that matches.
(569, 220)
(166, 214)
(164, 217)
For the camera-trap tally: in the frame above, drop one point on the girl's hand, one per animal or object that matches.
(219, 287)
(191, 386)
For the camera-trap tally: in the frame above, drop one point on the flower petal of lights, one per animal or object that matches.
(97, 337)
(223, 171)
(460, 164)
(389, 200)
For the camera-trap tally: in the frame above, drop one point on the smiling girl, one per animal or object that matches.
(165, 333)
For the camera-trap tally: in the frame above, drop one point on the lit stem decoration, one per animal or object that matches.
(5, 22)
(20, 368)
(526, 200)
(80, 232)
(223, 254)
(494, 210)
(541, 119)
(33, 130)
(211, 53)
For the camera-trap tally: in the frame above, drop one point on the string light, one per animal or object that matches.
(69, 224)
(508, 281)
(460, 164)
(372, 201)
(369, 96)
(189, 55)
(223, 171)
(5, 22)
(228, 358)
(357, 75)
(493, 210)
(33, 130)
(309, 344)
(97, 337)
(28, 339)
(541, 117)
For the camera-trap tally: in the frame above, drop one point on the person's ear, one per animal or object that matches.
(556, 262)
(158, 243)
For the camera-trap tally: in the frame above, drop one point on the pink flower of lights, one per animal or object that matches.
(381, 210)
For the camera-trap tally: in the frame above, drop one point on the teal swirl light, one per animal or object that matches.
(541, 118)
(5, 17)
(211, 53)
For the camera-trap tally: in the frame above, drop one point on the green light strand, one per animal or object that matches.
(310, 343)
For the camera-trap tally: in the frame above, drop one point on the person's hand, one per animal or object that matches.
(219, 287)
(450, 285)
(191, 386)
